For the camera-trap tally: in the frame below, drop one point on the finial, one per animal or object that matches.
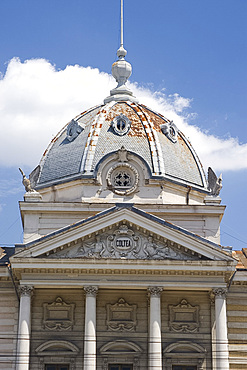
(121, 71)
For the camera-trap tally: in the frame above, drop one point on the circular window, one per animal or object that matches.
(122, 179)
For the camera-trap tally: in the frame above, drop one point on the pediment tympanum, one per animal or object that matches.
(125, 233)
(126, 242)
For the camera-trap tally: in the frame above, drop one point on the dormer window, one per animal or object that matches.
(121, 124)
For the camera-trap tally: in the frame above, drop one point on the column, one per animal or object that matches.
(90, 328)
(222, 354)
(155, 347)
(24, 329)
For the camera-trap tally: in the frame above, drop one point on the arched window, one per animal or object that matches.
(184, 355)
(120, 355)
(57, 355)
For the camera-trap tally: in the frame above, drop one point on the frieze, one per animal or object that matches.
(125, 242)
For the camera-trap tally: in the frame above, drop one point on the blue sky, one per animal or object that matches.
(189, 59)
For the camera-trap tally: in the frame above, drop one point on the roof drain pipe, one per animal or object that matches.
(188, 194)
(13, 282)
(231, 279)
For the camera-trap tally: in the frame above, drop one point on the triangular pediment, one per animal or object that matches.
(123, 233)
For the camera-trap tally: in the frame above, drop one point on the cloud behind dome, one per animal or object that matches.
(36, 100)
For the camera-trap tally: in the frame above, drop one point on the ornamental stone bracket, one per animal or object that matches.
(121, 316)
(184, 317)
(58, 315)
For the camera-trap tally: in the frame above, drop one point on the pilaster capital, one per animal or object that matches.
(155, 291)
(91, 291)
(26, 290)
(211, 298)
(220, 293)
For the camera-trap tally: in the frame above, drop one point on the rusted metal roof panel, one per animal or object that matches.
(165, 158)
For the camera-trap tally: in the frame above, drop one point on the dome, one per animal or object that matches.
(125, 127)
(80, 147)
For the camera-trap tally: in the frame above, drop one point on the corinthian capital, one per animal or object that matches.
(155, 291)
(26, 290)
(91, 291)
(220, 292)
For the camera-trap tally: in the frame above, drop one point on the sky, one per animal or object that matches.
(189, 63)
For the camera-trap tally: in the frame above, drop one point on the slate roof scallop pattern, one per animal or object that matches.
(65, 160)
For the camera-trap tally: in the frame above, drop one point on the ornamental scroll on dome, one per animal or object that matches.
(73, 130)
(170, 130)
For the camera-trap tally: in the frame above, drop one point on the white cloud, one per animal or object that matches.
(36, 100)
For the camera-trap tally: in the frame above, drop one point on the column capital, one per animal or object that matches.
(91, 291)
(155, 291)
(220, 292)
(26, 290)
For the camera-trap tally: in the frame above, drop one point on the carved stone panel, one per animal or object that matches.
(121, 316)
(126, 242)
(58, 315)
(184, 317)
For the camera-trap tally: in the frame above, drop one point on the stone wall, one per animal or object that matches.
(237, 327)
(8, 326)
(56, 328)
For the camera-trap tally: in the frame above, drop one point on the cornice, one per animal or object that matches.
(209, 270)
(132, 216)
(75, 207)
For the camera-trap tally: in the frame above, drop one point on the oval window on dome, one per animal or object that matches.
(121, 124)
(170, 130)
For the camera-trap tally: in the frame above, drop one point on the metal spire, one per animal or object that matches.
(121, 35)
(121, 71)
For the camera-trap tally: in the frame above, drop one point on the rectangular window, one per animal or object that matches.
(120, 367)
(56, 367)
(182, 367)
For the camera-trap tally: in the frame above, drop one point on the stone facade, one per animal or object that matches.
(121, 265)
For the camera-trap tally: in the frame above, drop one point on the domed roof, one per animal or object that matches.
(121, 122)
(79, 148)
